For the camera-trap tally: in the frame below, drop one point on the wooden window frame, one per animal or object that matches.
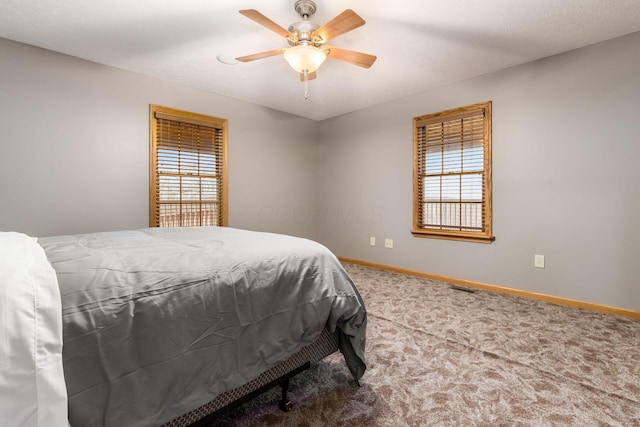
(190, 118)
(457, 114)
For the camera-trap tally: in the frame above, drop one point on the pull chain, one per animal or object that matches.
(305, 73)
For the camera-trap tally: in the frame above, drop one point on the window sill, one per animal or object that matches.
(453, 235)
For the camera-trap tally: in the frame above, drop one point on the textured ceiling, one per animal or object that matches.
(420, 44)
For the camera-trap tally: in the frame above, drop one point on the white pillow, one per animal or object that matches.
(32, 388)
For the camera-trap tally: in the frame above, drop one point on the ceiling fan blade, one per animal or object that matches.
(260, 55)
(356, 58)
(309, 76)
(346, 21)
(259, 18)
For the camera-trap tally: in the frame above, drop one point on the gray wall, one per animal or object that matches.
(566, 177)
(565, 166)
(75, 149)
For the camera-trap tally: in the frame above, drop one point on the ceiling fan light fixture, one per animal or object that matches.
(305, 58)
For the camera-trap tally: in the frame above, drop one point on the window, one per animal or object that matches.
(188, 169)
(452, 174)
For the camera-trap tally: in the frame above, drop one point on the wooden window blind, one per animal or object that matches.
(188, 169)
(452, 174)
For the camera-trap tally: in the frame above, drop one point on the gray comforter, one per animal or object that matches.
(159, 321)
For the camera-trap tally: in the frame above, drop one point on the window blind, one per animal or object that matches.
(188, 186)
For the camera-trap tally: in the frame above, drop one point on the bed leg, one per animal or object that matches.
(285, 404)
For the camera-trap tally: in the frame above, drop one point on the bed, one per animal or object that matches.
(167, 325)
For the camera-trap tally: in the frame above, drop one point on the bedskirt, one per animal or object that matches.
(325, 345)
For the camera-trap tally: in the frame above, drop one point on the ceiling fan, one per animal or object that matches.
(307, 40)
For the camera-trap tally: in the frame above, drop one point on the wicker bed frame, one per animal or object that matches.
(323, 346)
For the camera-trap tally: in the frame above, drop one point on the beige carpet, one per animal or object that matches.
(443, 357)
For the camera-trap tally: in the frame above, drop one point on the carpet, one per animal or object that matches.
(443, 357)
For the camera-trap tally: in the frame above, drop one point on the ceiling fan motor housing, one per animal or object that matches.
(302, 31)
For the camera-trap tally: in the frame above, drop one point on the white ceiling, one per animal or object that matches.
(420, 44)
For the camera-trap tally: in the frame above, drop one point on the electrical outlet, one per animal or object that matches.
(388, 243)
(538, 261)
(372, 241)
